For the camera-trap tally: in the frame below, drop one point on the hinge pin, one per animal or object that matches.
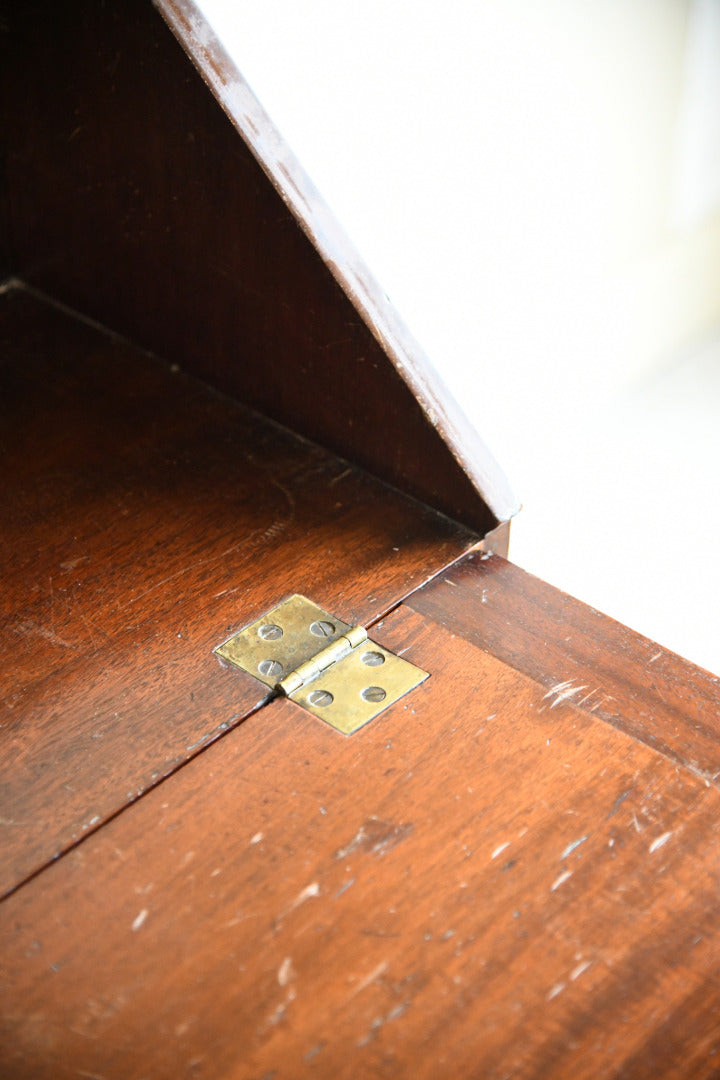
(328, 656)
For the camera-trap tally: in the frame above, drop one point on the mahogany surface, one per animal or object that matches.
(144, 518)
(135, 199)
(477, 884)
(582, 656)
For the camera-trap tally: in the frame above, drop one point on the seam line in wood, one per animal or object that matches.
(93, 830)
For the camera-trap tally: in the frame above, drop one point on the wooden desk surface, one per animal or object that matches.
(485, 881)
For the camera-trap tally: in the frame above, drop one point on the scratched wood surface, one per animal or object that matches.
(143, 519)
(582, 656)
(480, 883)
(184, 223)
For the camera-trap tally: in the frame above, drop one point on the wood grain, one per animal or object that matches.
(138, 201)
(578, 654)
(144, 519)
(474, 885)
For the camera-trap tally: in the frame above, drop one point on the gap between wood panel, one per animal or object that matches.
(146, 518)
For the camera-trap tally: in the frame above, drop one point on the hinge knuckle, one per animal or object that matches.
(305, 673)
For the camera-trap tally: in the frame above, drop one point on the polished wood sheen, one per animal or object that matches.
(481, 883)
(144, 519)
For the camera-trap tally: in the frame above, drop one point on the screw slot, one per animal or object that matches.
(373, 694)
(373, 659)
(270, 632)
(322, 629)
(320, 698)
(270, 668)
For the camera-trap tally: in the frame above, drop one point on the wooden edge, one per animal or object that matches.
(581, 657)
(497, 541)
(298, 192)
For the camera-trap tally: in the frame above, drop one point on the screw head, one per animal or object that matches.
(270, 668)
(373, 694)
(270, 632)
(322, 629)
(320, 698)
(373, 659)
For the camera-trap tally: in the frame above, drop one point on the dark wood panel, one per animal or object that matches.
(6, 258)
(144, 518)
(582, 656)
(472, 886)
(136, 200)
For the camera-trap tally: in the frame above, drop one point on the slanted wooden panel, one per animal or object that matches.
(144, 518)
(138, 201)
(6, 257)
(477, 884)
(582, 656)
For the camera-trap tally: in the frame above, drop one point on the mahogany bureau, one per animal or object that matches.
(510, 867)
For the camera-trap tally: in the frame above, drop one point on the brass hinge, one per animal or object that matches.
(322, 663)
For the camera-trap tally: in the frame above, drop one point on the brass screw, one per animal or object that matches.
(320, 698)
(270, 668)
(373, 659)
(374, 694)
